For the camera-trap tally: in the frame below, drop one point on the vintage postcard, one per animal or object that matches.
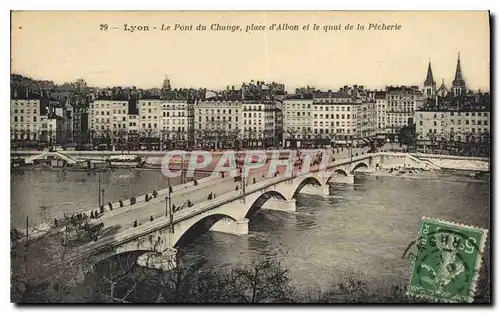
(250, 157)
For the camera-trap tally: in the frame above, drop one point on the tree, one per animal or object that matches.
(407, 135)
(261, 282)
(45, 272)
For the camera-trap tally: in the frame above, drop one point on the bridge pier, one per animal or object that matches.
(316, 190)
(229, 226)
(281, 205)
(342, 179)
(165, 261)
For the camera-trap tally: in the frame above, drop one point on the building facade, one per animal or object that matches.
(402, 102)
(258, 123)
(297, 120)
(455, 124)
(34, 118)
(381, 107)
(108, 117)
(217, 122)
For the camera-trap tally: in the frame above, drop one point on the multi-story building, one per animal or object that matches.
(278, 122)
(80, 118)
(340, 112)
(297, 119)
(453, 122)
(150, 114)
(25, 117)
(108, 117)
(367, 118)
(329, 117)
(53, 128)
(381, 107)
(402, 102)
(217, 122)
(133, 118)
(258, 122)
(176, 121)
(32, 118)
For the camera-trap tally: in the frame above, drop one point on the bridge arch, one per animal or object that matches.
(119, 261)
(261, 200)
(306, 181)
(200, 226)
(359, 165)
(340, 171)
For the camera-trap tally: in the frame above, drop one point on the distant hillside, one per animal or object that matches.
(23, 82)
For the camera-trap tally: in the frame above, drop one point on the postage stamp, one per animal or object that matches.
(447, 260)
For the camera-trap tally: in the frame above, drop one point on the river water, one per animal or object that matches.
(359, 229)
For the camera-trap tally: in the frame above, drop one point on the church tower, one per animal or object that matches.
(443, 91)
(166, 84)
(429, 84)
(458, 87)
(165, 88)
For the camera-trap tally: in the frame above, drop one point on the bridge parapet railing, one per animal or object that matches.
(163, 222)
(177, 191)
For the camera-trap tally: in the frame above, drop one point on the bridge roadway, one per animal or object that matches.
(228, 194)
(119, 235)
(180, 192)
(157, 207)
(141, 212)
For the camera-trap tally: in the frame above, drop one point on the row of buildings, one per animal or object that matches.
(255, 115)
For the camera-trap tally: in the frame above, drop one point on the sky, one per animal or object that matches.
(66, 45)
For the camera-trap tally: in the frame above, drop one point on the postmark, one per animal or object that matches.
(447, 258)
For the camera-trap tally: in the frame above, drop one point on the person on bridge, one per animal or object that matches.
(151, 218)
(155, 193)
(135, 223)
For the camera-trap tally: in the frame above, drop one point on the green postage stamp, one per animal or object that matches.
(447, 261)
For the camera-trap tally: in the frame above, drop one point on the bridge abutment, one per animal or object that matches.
(316, 190)
(342, 179)
(164, 261)
(281, 205)
(229, 226)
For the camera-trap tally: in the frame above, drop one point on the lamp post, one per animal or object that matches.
(168, 206)
(102, 190)
(99, 188)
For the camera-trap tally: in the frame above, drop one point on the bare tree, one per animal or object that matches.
(261, 282)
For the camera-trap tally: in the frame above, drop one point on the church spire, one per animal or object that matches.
(459, 79)
(429, 80)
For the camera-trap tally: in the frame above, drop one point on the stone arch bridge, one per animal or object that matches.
(230, 212)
